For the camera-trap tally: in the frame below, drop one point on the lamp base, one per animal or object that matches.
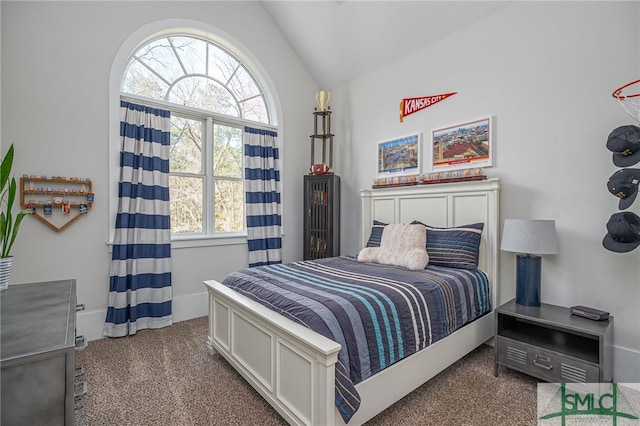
(528, 280)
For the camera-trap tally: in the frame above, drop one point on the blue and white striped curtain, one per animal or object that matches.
(140, 282)
(262, 181)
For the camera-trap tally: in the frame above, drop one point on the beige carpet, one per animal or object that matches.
(167, 377)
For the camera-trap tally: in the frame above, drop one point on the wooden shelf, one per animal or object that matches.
(57, 192)
(458, 179)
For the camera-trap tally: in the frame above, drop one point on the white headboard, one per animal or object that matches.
(442, 205)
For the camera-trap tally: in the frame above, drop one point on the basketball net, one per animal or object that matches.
(630, 101)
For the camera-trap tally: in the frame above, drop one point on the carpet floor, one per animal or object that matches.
(167, 377)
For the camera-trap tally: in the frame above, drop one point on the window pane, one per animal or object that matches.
(227, 151)
(160, 57)
(255, 109)
(229, 207)
(221, 64)
(186, 204)
(139, 80)
(242, 85)
(204, 93)
(186, 145)
(192, 53)
(250, 98)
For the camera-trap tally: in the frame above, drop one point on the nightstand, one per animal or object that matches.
(549, 343)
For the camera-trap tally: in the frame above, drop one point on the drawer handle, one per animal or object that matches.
(543, 366)
(81, 343)
(79, 371)
(82, 392)
(80, 307)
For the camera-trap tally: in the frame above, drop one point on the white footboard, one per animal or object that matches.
(292, 367)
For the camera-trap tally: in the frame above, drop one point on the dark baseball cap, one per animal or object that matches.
(624, 185)
(624, 142)
(623, 232)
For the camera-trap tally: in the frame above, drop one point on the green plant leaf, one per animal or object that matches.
(13, 188)
(8, 227)
(14, 233)
(5, 168)
(9, 188)
(3, 233)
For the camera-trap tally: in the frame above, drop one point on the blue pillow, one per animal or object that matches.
(376, 233)
(456, 247)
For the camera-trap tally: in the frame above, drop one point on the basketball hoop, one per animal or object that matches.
(629, 101)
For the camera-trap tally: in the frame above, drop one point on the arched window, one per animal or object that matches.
(211, 95)
(194, 72)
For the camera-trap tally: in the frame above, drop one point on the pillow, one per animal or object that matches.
(401, 244)
(369, 254)
(455, 247)
(376, 234)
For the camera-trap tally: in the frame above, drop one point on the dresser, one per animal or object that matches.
(38, 344)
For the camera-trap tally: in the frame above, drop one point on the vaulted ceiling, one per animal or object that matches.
(340, 40)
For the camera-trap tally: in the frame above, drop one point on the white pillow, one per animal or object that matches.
(402, 244)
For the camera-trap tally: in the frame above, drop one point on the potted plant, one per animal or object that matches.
(9, 225)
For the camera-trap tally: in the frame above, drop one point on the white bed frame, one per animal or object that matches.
(293, 368)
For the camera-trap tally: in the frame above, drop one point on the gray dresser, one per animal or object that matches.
(38, 344)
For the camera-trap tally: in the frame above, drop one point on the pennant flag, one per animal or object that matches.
(410, 105)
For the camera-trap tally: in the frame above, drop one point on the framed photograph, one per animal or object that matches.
(400, 157)
(463, 146)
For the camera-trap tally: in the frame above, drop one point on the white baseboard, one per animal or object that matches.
(91, 323)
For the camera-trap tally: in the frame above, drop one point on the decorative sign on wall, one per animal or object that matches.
(410, 105)
(56, 201)
(463, 146)
(400, 156)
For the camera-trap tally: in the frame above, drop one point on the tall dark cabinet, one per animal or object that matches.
(321, 216)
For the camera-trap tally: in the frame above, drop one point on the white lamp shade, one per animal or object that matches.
(529, 236)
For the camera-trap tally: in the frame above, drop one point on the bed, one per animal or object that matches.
(294, 368)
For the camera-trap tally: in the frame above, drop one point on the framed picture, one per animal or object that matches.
(463, 146)
(400, 156)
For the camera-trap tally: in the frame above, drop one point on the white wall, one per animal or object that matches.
(56, 60)
(545, 71)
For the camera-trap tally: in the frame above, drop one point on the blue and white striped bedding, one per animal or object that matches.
(379, 314)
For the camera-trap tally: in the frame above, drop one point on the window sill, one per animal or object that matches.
(206, 241)
(203, 241)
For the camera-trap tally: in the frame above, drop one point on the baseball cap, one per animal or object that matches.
(624, 142)
(623, 232)
(624, 185)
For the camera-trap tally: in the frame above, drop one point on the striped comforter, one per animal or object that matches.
(379, 314)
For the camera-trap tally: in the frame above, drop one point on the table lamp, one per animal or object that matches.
(529, 238)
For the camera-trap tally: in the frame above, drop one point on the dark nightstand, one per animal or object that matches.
(549, 343)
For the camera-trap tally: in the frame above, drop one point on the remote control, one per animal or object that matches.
(590, 313)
